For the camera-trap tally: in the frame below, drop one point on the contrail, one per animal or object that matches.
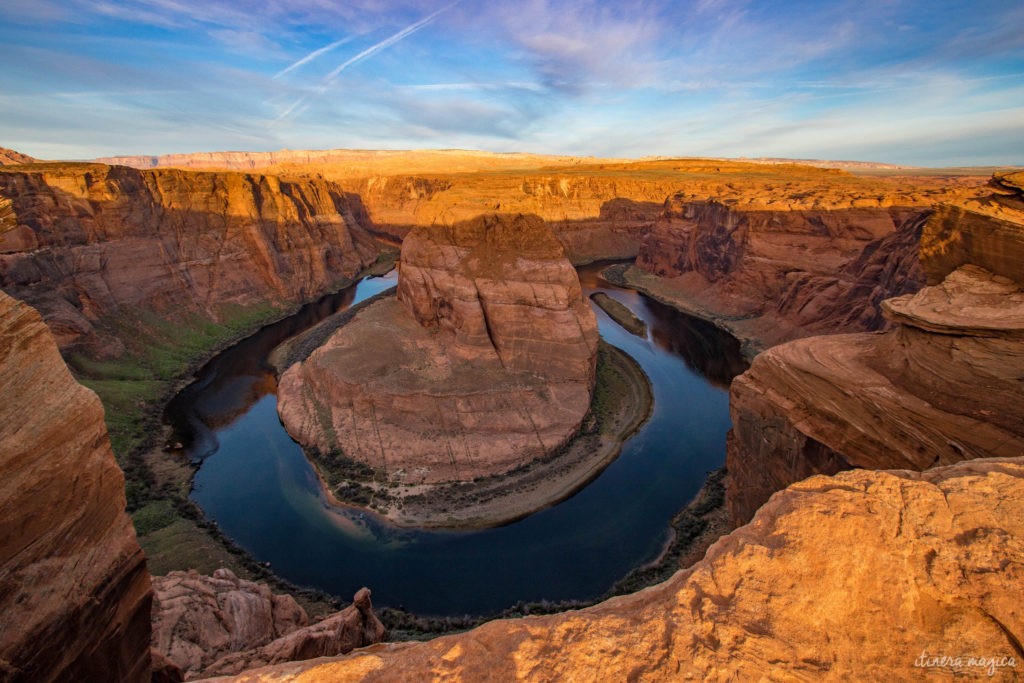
(313, 55)
(387, 42)
(330, 78)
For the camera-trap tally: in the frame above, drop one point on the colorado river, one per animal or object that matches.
(255, 482)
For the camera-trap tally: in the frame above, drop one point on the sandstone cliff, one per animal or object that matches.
(851, 577)
(74, 592)
(88, 245)
(770, 275)
(485, 361)
(216, 625)
(944, 385)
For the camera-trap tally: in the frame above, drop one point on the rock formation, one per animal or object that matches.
(88, 245)
(774, 274)
(8, 157)
(485, 361)
(222, 625)
(945, 385)
(860, 576)
(74, 592)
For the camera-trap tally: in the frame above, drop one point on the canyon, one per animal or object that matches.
(829, 574)
(483, 362)
(90, 246)
(943, 385)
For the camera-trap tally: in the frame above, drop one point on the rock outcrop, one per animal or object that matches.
(484, 361)
(89, 245)
(945, 385)
(8, 157)
(860, 576)
(776, 274)
(74, 592)
(220, 624)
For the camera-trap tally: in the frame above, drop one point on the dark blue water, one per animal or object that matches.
(256, 484)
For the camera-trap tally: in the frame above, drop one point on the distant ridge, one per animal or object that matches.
(824, 163)
(453, 160)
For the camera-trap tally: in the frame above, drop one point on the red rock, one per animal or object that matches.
(220, 624)
(783, 273)
(486, 361)
(850, 577)
(945, 385)
(91, 244)
(74, 592)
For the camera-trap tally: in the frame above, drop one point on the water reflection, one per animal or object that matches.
(255, 482)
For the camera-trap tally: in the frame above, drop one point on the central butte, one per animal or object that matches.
(483, 362)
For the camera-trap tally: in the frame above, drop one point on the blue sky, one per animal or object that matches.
(917, 82)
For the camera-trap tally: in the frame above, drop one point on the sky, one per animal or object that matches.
(927, 82)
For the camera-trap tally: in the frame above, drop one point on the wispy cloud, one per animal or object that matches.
(313, 55)
(332, 77)
(387, 42)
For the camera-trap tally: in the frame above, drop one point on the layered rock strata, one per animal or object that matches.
(945, 385)
(74, 592)
(220, 624)
(859, 576)
(484, 361)
(88, 245)
(777, 274)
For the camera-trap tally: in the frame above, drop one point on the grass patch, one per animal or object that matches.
(154, 516)
(159, 353)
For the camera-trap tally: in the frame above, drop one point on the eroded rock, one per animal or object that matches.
(945, 385)
(95, 247)
(850, 577)
(484, 361)
(74, 592)
(220, 624)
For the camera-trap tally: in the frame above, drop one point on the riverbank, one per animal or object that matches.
(748, 330)
(171, 529)
(623, 400)
(621, 314)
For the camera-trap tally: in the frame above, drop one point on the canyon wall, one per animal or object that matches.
(771, 275)
(88, 245)
(943, 385)
(860, 576)
(74, 592)
(485, 361)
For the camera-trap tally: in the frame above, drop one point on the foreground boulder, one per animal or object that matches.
(221, 624)
(74, 592)
(484, 361)
(860, 576)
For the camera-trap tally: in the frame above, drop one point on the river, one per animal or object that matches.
(255, 482)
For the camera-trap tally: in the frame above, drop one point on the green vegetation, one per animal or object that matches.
(158, 352)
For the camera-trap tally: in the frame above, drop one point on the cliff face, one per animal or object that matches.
(86, 243)
(851, 577)
(786, 272)
(217, 625)
(485, 361)
(943, 386)
(74, 592)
